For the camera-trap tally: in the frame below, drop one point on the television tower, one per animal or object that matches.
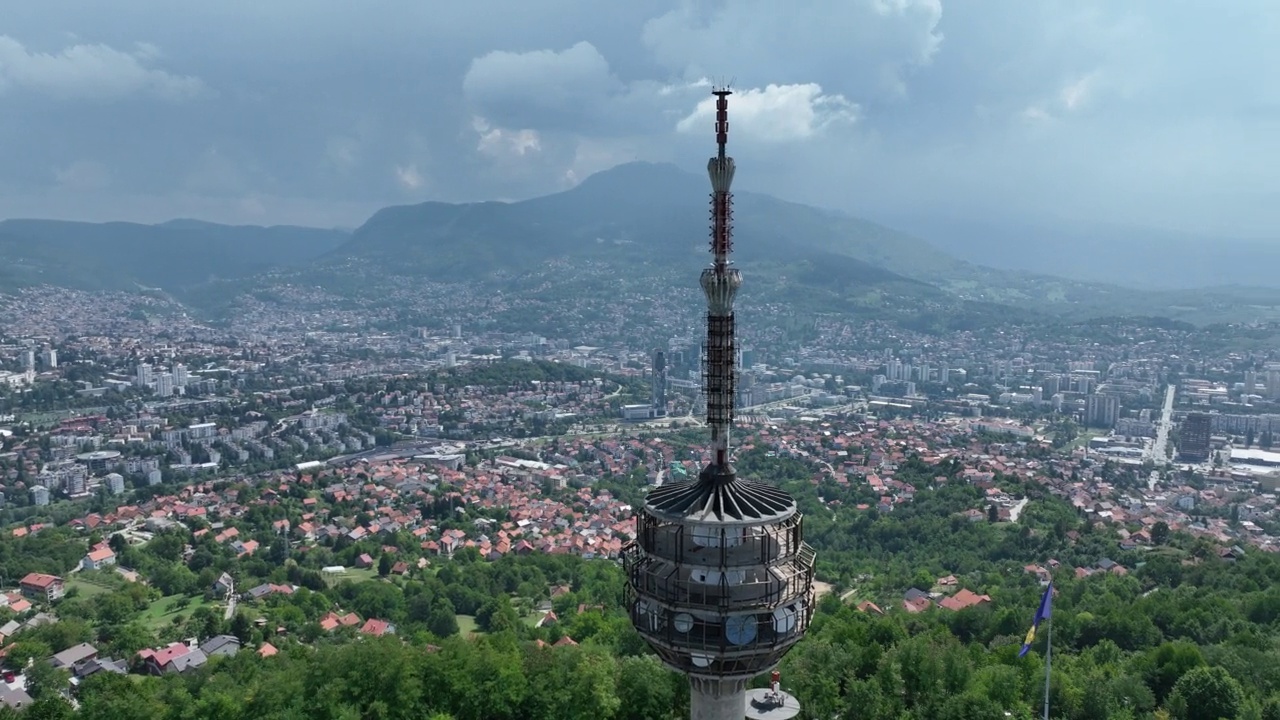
(719, 579)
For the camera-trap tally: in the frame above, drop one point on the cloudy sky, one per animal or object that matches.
(1156, 112)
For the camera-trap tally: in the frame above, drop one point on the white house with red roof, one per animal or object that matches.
(39, 586)
(99, 557)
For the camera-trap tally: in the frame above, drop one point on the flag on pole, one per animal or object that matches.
(1042, 614)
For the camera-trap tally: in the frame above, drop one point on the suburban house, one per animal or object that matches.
(223, 645)
(223, 586)
(73, 656)
(916, 600)
(174, 658)
(89, 668)
(377, 628)
(964, 599)
(39, 586)
(98, 558)
(14, 696)
(333, 620)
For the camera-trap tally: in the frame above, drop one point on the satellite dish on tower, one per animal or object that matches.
(683, 622)
(740, 629)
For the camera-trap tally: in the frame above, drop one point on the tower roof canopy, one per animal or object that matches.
(719, 496)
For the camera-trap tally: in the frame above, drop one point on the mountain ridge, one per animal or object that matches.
(123, 255)
(643, 222)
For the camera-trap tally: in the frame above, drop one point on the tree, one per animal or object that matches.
(43, 680)
(1160, 533)
(1271, 709)
(384, 564)
(241, 627)
(645, 689)
(1206, 693)
(443, 621)
(993, 514)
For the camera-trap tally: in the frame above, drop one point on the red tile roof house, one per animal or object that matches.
(98, 559)
(332, 620)
(177, 657)
(916, 601)
(39, 586)
(376, 627)
(963, 599)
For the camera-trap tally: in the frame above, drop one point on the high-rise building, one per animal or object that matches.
(1250, 381)
(1050, 385)
(164, 384)
(893, 370)
(1193, 437)
(719, 579)
(39, 495)
(29, 360)
(180, 375)
(142, 375)
(1102, 411)
(659, 384)
(50, 359)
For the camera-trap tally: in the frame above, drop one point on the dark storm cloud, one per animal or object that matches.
(320, 111)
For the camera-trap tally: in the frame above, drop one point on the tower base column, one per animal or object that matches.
(717, 699)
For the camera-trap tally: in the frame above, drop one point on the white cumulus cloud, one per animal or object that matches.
(776, 112)
(875, 44)
(500, 142)
(93, 72)
(529, 89)
(409, 177)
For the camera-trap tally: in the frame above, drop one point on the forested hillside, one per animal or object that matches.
(1187, 632)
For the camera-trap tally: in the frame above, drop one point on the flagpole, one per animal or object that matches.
(1048, 663)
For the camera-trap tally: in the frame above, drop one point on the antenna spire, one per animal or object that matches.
(720, 283)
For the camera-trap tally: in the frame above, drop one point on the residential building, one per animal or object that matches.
(1193, 437)
(71, 657)
(39, 586)
(98, 558)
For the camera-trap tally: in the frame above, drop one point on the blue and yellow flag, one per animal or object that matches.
(1046, 607)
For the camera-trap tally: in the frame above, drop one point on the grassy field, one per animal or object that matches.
(163, 611)
(86, 589)
(1084, 439)
(467, 625)
(355, 575)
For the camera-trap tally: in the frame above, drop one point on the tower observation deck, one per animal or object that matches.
(719, 579)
